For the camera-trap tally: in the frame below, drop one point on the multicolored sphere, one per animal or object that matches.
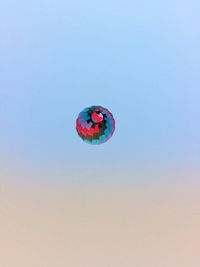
(95, 125)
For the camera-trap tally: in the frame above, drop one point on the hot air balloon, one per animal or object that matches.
(95, 125)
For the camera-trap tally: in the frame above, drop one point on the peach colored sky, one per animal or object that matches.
(107, 225)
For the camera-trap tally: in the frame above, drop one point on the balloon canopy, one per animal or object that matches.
(95, 125)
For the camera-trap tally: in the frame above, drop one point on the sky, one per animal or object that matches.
(139, 59)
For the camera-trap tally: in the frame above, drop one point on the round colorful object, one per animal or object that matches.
(95, 125)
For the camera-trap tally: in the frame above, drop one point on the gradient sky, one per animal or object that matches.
(133, 201)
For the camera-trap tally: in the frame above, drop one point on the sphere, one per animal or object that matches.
(95, 125)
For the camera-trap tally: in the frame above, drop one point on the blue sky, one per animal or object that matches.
(140, 59)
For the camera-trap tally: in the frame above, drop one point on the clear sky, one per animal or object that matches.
(133, 201)
(140, 59)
